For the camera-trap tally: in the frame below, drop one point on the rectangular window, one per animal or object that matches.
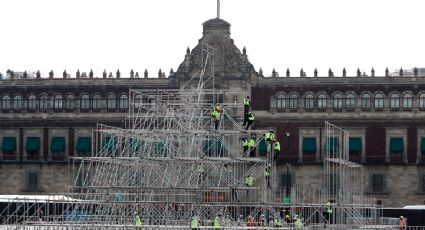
(32, 182)
(9, 145)
(355, 145)
(83, 146)
(32, 146)
(309, 145)
(377, 183)
(396, 146)
(57, 146)
(309, 103)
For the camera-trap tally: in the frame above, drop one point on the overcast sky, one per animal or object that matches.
(280, 34)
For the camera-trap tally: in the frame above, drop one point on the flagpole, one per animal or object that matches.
(218, 8)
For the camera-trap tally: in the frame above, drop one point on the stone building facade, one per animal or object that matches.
(44, 121)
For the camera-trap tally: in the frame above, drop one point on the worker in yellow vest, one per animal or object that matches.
(137, 221)
(276, 149)
(298, 223)
(216, 223)
(251, 145)
(216, 117)
(244, 144)
(195, 223)
(250, 119)
(246, 105)
(249, 181)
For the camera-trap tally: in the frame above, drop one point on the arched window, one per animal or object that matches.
(309, 102)
(365, 102)
(85, 102)
(96, 101)
(138, 101)
(407, 101)
(350, 101)
(17, 102)
(70, 102)
(5, 102)
(395, 101)
(321, 101)
(123, 102)
(281, 101)
(58, 102)
(293, 101)
(379, 101)
(32, 102)
(422, 101)
(112, 102)
(44, 102)
(337, 101)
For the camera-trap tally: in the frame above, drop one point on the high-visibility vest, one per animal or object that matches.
(199, 169)
(251, 117)
(277, 146)
(216, 223)
(298, 224)
(269, 136)
(137, 221)
(244, 142)
(251, 143)
(277, 222)
(249, 181)
(215, 115)
(267, 172)
(328, 208)
(195, 223)
(246, 101)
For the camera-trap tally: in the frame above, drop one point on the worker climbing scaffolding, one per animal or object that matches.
(216, 115)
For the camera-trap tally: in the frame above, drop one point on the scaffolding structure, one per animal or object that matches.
(170, 164)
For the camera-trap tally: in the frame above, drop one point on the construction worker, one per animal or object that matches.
(288, 219)
(262, 221)
(267, 175)
(250, 221)
(249, 181)
(402, 223)
(328, 212)
(250, 119)
(276, 149)
(200, 171)
(194, 224)
(216, 223)
(241, 221)
(216, 114)
(137, 222)
(298, 223)
(251, 145)
(244, 145)
(270, 137)
(277, 223)
(246, 105)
